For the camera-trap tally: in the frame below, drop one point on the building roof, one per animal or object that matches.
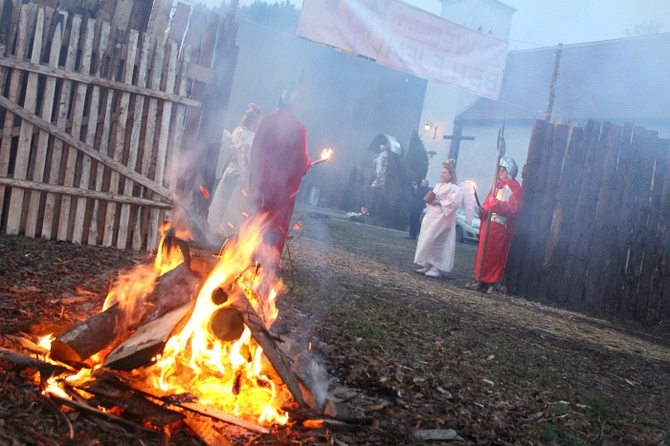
(616, 80)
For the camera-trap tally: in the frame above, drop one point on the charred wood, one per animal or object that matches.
(173, 289)
(28, 362)
(86, 338)
(274, 354)
(116, 394)
(142, 346)
(204, 430)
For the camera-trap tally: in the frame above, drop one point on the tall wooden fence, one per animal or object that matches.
(95, 115)
(593, 230)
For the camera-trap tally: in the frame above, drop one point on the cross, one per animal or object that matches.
(456, 139)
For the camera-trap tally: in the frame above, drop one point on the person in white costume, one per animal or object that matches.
(229, 198)
(436, 246)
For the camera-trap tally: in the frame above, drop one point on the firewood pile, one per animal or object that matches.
(137, 364)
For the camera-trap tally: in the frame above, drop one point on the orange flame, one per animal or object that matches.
(230, 375)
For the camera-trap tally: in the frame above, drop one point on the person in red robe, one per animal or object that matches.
(502, 205)
(279, 160)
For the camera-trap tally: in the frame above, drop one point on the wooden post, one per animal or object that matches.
(552, 85)
(456, 139)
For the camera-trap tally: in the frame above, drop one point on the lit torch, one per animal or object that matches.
(325, 156)
(474, 189)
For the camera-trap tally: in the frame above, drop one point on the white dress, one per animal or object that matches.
(229, 198)
(437, 238)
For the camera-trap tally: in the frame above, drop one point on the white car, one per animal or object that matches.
(464, 231)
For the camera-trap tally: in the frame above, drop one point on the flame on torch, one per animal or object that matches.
(474, 190)
(325, 156)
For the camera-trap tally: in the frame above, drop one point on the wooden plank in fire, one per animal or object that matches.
(196, 407)
(117, 394)
(83, 407)
(100, 331)
(146, 342)
(274, 354)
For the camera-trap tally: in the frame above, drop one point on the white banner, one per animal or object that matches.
(409, 39)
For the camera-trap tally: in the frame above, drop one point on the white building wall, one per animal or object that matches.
(443, 103)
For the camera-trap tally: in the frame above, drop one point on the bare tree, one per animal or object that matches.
(644, 29)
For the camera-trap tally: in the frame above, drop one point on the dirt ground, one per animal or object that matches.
(407, 357)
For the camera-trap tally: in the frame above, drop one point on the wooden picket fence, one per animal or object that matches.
(94, 120)
(593, 230)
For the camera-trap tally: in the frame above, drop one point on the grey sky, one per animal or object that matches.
(538, 23)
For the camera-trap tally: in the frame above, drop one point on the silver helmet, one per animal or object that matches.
(510, 165)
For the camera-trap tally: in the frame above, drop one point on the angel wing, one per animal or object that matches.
(226, 151)
(469, 203)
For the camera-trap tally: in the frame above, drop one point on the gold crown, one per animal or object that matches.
(449, 163)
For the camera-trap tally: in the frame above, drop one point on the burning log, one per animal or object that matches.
(91, 336)
(223, 416)
(274, 354)
(146, 342)
(227, 324)
(87, 338)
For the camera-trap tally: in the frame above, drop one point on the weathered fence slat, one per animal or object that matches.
(645, 293)
(159, 17)
(43, 137)
(644, 142)
(13, 95)
(615, 252)
(604, 226)
(534, 181)
(25, 141)
(120, 138)
(13, 24)
(141, 222)
(582, 232)
(77, 117)
(543, 240)
(91, 126)
(162, 149)
(58, 148)
(660, 280)
(134, 142)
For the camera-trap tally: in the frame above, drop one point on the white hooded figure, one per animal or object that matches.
(380, 163)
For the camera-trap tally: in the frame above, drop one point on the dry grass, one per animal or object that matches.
(497, 369)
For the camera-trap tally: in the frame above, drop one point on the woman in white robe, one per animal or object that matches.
(229, 198)
(436, 246)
